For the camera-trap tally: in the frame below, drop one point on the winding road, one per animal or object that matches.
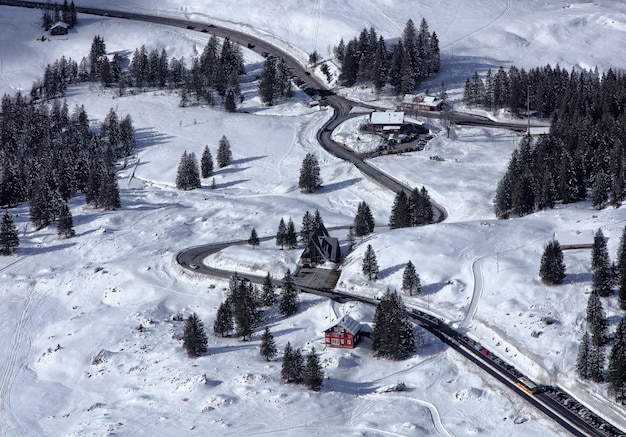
(192, 258)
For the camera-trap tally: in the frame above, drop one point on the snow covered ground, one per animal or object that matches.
(66, 302)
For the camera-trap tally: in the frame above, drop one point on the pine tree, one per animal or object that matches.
(291, 238)
(582, 361)
(600, 189)
(267, 82)
(364, 221)
(621, 270)
(317, 220)
(268, 345)
(596, 362)
(313, 376)
(552, 268)
(206, 163)
(297, 366)
(399, 212)
(350, 238)
(370, 266)
(307, 228)
(420, 208)
(194, 338)
(224, 155)
(289, 296)
(286, 368)
(109, 194)
(392, 336)
(616, 374)
(411, 280)
(244, 304)
(267, 289)
(601, 266)
(293, 365)
(41, 206)
(9, 240)
(223, 324)
(281, 234)
(188, 175)
(253, 240)
(65, 227)
(597, 323)
(310, 180)
(230, 105)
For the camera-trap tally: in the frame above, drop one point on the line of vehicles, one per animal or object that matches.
(551, 398)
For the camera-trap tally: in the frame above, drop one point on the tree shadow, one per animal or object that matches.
(432, 288)
(283, 332)
(348, 387)
(230, 348)
(339, 185)
(577, 278)
(145, 137)
(42, 250)
(228, 170)
(230, 184)
(390, 270)
(245, 160)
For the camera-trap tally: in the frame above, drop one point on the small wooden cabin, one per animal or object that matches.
(59, 28)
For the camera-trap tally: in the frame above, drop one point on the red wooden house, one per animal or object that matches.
(344, 332)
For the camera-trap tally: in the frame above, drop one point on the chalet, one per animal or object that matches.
(59, 28)
(344, 332)
(321, 248)
(387, 121)
(575, 239)
(421, 102)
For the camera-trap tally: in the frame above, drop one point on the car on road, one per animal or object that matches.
(194, 266)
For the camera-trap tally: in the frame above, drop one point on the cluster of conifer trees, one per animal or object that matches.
(286, 234)
(542, 89)
(416, 210)
(275, 80)
(392, 335)
(365, 59)
(296, 370)
(49, 155)
(188, 173)
(216, 71)
(591, 362)
(583, 151)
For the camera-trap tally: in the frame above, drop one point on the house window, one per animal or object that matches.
(349, 342)
(342, 341)
(335, 342)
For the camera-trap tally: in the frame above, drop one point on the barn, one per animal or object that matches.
(344, 332)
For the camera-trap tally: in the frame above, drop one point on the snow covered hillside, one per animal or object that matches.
(66, 302)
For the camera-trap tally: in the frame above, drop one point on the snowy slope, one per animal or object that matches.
(67, 301)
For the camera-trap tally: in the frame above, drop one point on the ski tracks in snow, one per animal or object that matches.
(20, 342)
(481, 28)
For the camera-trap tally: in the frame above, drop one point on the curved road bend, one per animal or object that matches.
(341, 105)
